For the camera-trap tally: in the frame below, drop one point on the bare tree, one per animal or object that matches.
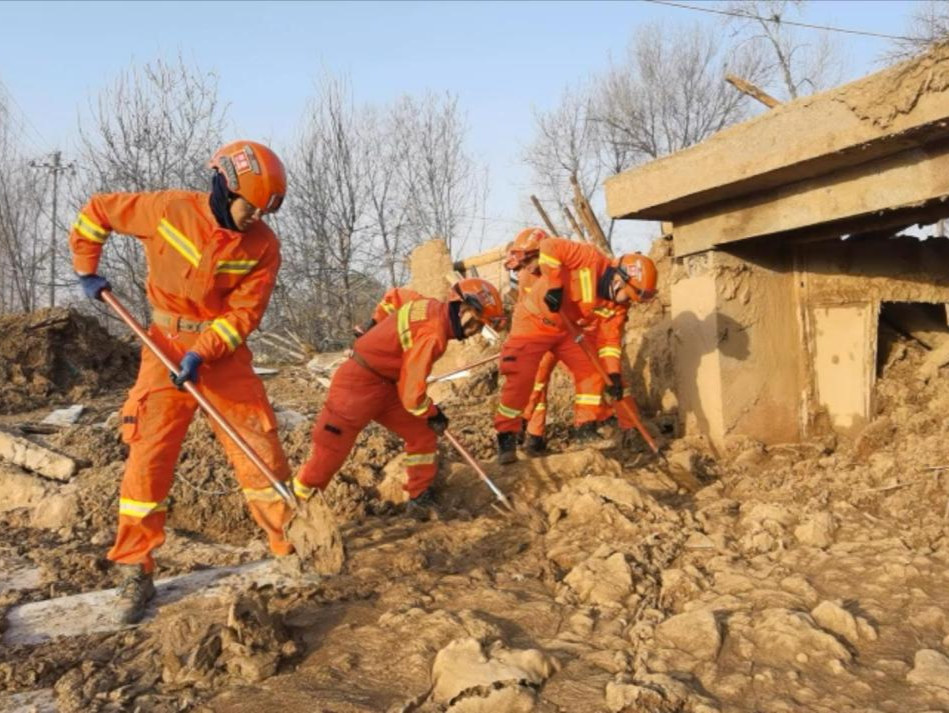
(23, 254)
(796, 66)
(153, 128)
(928, 25)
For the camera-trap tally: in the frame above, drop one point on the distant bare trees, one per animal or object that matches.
(153, 128)
(23, 255)
(368, 184)
(928, 24)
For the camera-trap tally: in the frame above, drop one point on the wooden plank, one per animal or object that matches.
(746, 87)
(34, 457)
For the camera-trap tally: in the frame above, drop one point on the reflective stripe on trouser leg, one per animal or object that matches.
(421, 470)
(420, 444)
(536, 411)
(520, 357)
(586, 379)
(155, 420)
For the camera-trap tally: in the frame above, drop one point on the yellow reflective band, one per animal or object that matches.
(588, 399)
(405, 332)
(235, 267)
(227, 332)
(586, 285)
(603, 312)
(304, 492)
(420, 459)
(179, 242)
(539, 385)
(422, 407)
(139, 508)
(387, 307)
(546, 259)
(266, 495)
(508, 412)
(541, 406)
(610, 352)
(89, 229)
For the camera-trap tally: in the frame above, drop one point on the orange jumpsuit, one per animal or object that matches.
(394, 298)
(385, 382)
(208, 287)
(536, 410)
(536, 330)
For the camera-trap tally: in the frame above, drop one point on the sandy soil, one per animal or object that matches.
(803, 577)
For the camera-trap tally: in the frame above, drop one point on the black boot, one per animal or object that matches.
(536, 445)
(507, 447)
(135, 592)
(585, 434)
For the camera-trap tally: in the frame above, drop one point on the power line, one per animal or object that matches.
(779, 21)
(25, 121)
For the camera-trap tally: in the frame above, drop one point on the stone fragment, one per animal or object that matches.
(36, 458)
(603, 581)
(833, 617)
(817, 531)
(695, 633)
(930, 668)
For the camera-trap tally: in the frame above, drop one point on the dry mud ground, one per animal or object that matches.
(806, 577)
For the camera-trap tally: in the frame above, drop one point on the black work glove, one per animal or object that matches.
(187, 370)
(361, 329)
(554, 298)
(92, 286)
(615, 388)
(438, 422)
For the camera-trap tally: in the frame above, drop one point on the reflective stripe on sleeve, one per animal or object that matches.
(139, 508)
(541, 406)
(539, 385)
(610, 352)
(235, 267)
(405, 331)
(419, 459)
(550, 260)
(226, 331)
(587, 399)
(603, 312)
(586, 285)
(387, 307)
(89, 229)
(304, 492)
(422, 408)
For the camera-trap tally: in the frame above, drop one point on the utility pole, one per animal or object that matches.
(55, 167)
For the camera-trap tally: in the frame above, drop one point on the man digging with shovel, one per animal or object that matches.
(385, 381)
(212, 265)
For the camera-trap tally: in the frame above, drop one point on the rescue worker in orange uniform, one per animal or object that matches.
(212, 265)
(394, 298)
(593, 292)
(522, 261)
(385, 381)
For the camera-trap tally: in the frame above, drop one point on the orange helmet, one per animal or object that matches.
(640, 275)
(483, 298)
(526, 242)
(253, 172)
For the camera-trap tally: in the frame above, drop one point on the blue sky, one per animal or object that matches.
(501, 59)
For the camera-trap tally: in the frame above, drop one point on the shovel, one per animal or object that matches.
(321, 543)
(681, 477)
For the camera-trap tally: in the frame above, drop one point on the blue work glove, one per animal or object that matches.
(187, 370)
(615, 388)
(438, 422)
(93, 285)
(553, 298)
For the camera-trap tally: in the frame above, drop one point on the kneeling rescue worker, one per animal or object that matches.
(212, 265)
(592, 291)
(385, 381)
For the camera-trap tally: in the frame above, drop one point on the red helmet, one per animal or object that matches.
(253, 172)
(483, 298)
(526, 242)
(640, 275)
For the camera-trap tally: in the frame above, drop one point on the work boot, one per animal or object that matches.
(608, 427)
(507, 447)
(536, 445)
(135, 592)
(586, 435)
(522, 434)
(421, 507)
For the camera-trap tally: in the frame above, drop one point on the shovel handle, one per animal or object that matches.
(626, 404)
(472, 365)
(478, 469)
(280, 486)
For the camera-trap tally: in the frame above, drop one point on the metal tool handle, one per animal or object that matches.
(478, 469)
(472, 365)
(626, 403)
(280, 486)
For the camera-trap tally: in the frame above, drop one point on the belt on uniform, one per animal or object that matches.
(365, 365)
(176, 322)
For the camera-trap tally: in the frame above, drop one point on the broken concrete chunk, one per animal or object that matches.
(32, 456)
(64, 416)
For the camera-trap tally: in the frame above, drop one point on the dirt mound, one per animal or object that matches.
(59, 356)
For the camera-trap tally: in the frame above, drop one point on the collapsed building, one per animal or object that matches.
(786, 231)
